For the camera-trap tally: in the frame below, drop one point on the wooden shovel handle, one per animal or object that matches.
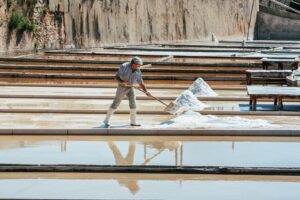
(151, 96)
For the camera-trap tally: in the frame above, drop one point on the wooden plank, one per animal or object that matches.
(274, 91)
(267, 75)
(269, 71)
(278, 60)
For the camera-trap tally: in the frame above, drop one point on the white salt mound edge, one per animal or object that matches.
(187, 101)
(201, 88)
(192, 120)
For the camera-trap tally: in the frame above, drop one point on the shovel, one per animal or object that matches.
(169, 107)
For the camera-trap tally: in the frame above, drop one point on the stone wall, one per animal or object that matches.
(273, 24)
(94, 23)
(272, 5)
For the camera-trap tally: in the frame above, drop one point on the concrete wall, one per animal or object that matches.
(94, 23)
(277, 25)
(106, 22)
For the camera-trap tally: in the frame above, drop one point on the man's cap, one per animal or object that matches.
(137, 60)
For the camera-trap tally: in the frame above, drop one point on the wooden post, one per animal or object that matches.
(248, 78)
(280, 66)
(280, 103)
(275, 101)
(254, 104)
(264, 65)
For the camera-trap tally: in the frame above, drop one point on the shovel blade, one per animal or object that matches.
(169, 108)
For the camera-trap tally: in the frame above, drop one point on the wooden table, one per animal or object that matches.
(267, 75)
(276, 93)
(279, 63)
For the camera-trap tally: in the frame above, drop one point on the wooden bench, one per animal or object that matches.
(276, 93)
(267, 75)
(292, 63)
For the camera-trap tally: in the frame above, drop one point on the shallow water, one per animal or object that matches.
(186, 151)
(115, 186)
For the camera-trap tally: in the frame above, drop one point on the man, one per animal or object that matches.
(128, 74)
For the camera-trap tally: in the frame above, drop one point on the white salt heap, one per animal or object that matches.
(187, 101)
(201, 88)
(296, 73)
(192, 120)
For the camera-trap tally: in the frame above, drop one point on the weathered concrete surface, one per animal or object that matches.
(107, 22)
(80, 23)
(276, 24)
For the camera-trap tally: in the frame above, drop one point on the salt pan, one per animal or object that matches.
(201, 88)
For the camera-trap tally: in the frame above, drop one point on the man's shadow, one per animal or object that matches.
(104, 126)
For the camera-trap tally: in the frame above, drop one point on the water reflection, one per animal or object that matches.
(161, 147)
(152, 151)
(151, 187)
(132, 184)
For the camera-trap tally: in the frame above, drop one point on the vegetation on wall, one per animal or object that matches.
(9, 3)
(20, 23)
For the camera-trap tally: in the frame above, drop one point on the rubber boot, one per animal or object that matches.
(133, 118)
(110, 112)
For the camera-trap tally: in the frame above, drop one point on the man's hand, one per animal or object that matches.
(148, 94)
(125, 84)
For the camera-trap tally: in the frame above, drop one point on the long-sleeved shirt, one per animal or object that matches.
(127, 75)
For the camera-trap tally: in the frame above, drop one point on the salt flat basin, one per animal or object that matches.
(79, 121)
(147, 186)
(77, 91)
(162, 151)
(103, 104)
(99, 91)
(142, 105)
(171, 83)
(94, 57)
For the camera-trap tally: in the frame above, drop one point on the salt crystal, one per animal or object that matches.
(201, 88)
(187, 101)
(192, 120)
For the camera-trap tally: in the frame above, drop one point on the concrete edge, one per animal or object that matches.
(154, 132)
(219, 98)
(115, 86)
(226, 170)
(149, 112)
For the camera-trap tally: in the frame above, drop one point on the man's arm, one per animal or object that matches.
(142, 85)
(121, 81)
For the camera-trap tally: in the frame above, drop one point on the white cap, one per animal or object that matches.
(137, 60)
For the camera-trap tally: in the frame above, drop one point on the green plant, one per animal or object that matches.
(20, 23)
(9, 3)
